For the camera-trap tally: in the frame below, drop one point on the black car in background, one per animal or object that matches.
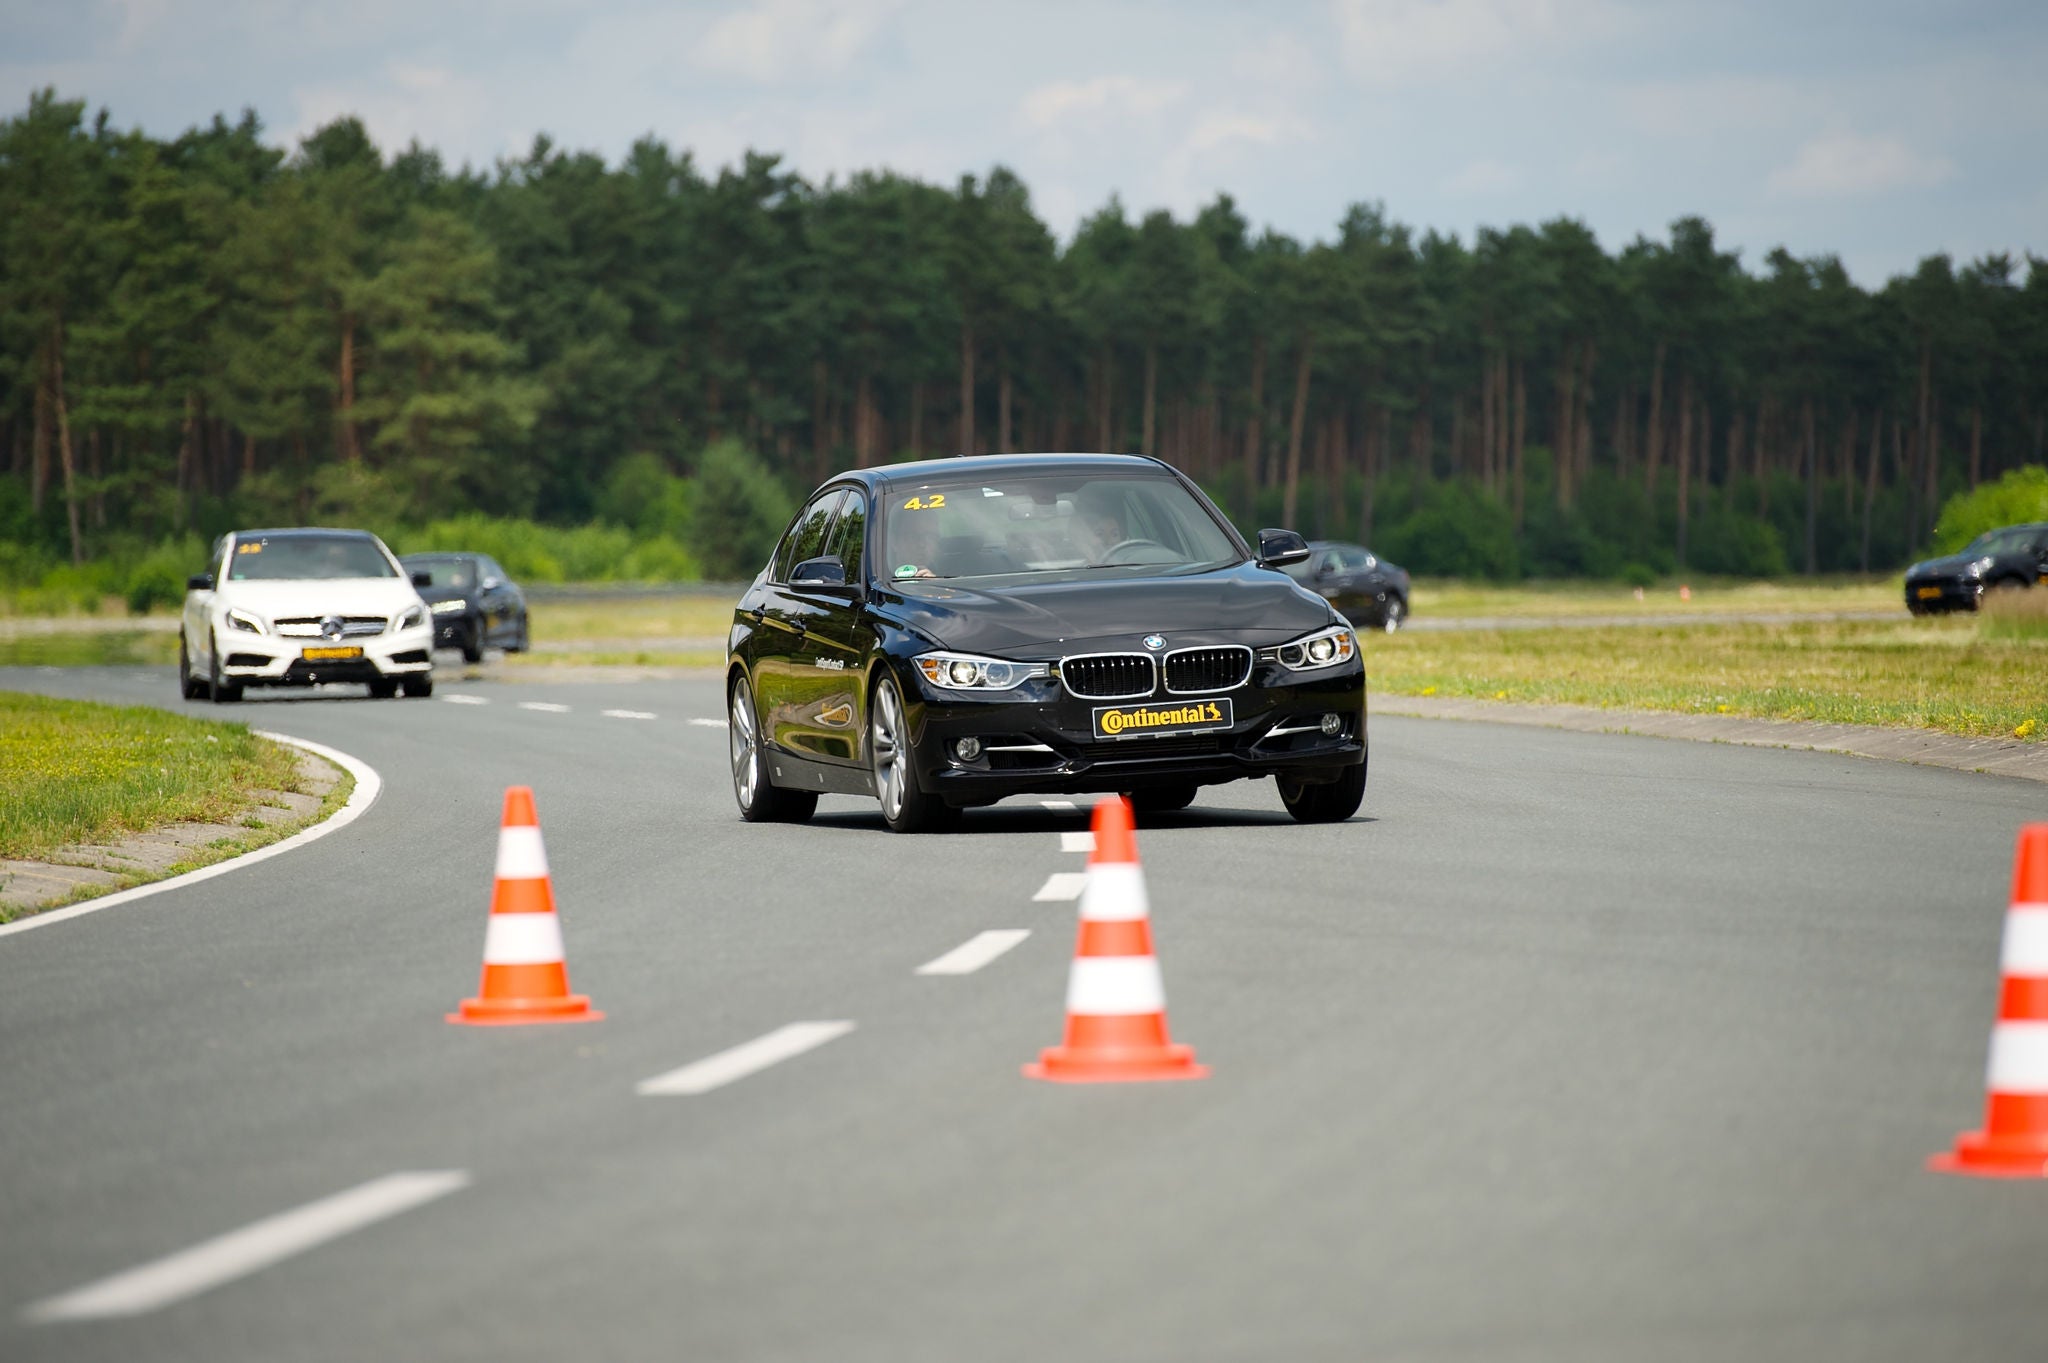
(476, 604)
(2008, 558)
(1365, 588)
(942, 635)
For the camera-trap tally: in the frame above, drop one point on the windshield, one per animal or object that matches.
(1998, 542)
(448, 572)
(1069, 523)
(268, 558)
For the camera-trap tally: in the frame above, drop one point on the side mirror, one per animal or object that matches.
(1278, 548)
(422, 579)
(820, 572)
(199, 582)
(491, 584)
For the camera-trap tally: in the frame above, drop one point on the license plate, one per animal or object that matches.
(330, 655)
(1928, 593)
(1171, 717)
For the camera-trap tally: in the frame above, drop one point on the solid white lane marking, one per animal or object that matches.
(368, 784)
(709, 723)
(976, 952)
(1061, 885)
(1083, 841)
(242, 1252)
(629, 714)
(546, 707)
(458, 698)
(1063, 806)
(716, 1071)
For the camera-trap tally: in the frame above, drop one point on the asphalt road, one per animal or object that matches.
(1571, 1047)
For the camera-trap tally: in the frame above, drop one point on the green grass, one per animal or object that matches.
(1443, 598)
(1981, 676)
(75, 771)
(89, 648)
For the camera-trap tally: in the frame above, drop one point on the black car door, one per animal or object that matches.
(837, 638)
(787, 689)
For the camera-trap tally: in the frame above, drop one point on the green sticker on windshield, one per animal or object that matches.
(907, 570)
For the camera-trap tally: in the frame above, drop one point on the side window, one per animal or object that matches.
(849, 534)
(218, 564)
(806, 538)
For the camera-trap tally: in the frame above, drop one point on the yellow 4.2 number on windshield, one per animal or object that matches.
(935, 502)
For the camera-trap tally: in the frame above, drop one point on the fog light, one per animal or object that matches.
(1331, 725)
(967, 749)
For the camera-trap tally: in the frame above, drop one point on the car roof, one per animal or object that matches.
(996, 465)
(304, 531)
(440, 553)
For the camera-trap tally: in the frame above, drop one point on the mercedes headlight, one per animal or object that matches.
(1325, 648)
(245, 622)
(455, 607)
(966, 672)
(412, 616)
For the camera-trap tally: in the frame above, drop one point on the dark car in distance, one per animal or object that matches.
(2008, 558)
(945, 634)
(1365, 588)
(476, 604)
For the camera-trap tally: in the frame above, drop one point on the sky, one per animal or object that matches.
(1877, 130)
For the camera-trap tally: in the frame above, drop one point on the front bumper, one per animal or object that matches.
(1039, 740)
(1924, 594)
(269, 660)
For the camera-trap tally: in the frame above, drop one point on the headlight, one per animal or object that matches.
(966, 672)
(247, 623)
(1325, 648)
(412, 616)
(455, 607)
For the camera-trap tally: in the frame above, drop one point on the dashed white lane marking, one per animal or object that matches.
(1083, 841)
(368, 784)
(1060, 885)
(546, 707)
(709, 723)
(458, 698)
(1063, 806)
(240, 1253)
(630, 714)
(976, 952)
(716, 1071)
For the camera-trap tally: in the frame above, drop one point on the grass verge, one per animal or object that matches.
(1980, 676)
(77, 771)
(1443, 598)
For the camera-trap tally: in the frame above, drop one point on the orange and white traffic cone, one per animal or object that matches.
(526, 978)
(1116, 1000)
(2014, 1141)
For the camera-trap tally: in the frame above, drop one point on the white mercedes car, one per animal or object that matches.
(302, 607)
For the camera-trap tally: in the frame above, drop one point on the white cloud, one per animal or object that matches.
(1102, 97)
(776, 40)
(441, 109)
(1841, 163)
(1486, 176)
(1407, 42)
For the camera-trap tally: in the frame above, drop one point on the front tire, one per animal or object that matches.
(1396, 612)
(384, 688)
(1163, 799)
(905, 808)
(759, 800)
(1331, 803)
(224, 692)
(189, 686)
(417, 686)
(473, 643)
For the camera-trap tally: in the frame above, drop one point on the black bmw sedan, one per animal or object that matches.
(2005, 559)
(476, 603)
(1365, 588)
(945, 634)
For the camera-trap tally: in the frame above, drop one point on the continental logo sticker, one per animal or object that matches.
(1129, 721)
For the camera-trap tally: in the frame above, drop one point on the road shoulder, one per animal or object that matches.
(1924, 747)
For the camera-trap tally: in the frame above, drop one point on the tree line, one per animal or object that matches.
(206, 330)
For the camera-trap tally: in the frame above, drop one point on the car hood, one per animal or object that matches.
(1949, 564)
(1245, 604)
(320, 596)
(440, 593)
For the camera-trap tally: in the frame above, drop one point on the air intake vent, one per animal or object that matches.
(1208, 669)
(1109, 676)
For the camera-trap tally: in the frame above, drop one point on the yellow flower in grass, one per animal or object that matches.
(1429, 690)
(2026, 729)
(1500, 695)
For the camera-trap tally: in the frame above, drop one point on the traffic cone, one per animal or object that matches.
(2014, 1141)
(1116, 1001)
(525, 977)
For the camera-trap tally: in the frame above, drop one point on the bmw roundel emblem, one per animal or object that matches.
(1155, 641)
